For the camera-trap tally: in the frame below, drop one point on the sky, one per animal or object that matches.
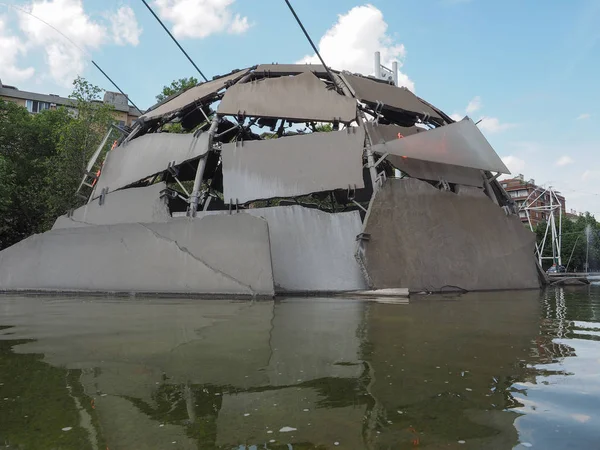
(530, 72)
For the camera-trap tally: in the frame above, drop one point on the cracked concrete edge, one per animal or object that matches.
(200, 260)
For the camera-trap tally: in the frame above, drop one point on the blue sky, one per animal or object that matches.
(531, 72)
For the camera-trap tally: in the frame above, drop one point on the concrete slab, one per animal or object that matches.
(290, 69)
(214, 255)
(148, 155)
(301, 97)
(193, 95)
(126, 206)
(431, 171)
(312, 251)
(373, 91)
(460, 144)
(426, 239)
(293, 166)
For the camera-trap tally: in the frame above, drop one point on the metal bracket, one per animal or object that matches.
(362, 237)
(351, 192)
(381, 178)
(103, 196)
(443, 185)
(172, 169)
(380, 160)
(378, 109)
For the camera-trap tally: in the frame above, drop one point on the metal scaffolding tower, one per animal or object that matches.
(549, 205)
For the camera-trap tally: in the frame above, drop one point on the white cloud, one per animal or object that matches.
(10, 49)
(493, 125)
(67, 57)
(239, 25)
(488, 124)
(201, 18)
(474, 105)
(352, 41)
(564, 161)
(514, 164)
(124, 26)
(584, 116)
(590, 175)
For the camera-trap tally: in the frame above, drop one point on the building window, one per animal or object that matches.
(523, 215)
(33, 106)
(504, 185)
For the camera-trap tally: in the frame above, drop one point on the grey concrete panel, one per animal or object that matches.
(422, 238)
(193, 95)
(293, 166)
(460, 144)
(302, 97)
(126, 206)
(313, 250)
(471, 191)
(214, 255)
(372, 91)
(380, 134)
(291, 69)
(148, 155)
(426, 170)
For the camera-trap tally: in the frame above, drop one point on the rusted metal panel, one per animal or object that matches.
(302, 97)
(148, 155)
(143, 205)
(293, 166)
(460, 144)
(291, 69)
(195, 94)
(372, 91)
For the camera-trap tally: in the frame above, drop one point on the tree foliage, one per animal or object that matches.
(574, 242)
(176, 87)
(43, 159)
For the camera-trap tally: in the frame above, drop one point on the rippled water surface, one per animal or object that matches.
(495, 370)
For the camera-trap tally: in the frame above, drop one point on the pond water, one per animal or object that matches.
(477, 371)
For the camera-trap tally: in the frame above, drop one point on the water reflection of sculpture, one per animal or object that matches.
(220, 374)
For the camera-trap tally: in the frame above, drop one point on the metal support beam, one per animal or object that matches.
(370, 155)
(200, 170)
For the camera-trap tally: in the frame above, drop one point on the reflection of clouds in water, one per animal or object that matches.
(560, 404)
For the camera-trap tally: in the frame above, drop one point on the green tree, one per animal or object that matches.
(78, 138)
(177, 86)
(43, 158)
(574, 242)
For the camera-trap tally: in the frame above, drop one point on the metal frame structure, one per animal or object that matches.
(385, 73)
(551, 211)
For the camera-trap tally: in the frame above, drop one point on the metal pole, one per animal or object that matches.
(587, 250)
(310, 41)
(569, 262)
(377, 65)
(559, 232)
(370, 157)
(395, 70)
(200, 170)
(553, 229)
(175, 40)
(115, 85)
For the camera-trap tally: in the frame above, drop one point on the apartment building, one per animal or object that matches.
(35, 103)
(523, 191)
